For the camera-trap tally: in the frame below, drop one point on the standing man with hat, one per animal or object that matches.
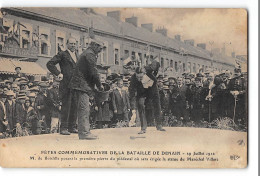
(18, 73)
(10, 110)
(67, 61)
(3, 119)
(84, 80)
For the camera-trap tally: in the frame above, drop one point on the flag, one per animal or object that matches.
(156, 59)
(127, 60)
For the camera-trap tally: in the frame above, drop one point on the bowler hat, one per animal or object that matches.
(18, 67)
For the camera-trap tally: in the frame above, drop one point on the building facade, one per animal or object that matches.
(37, 34)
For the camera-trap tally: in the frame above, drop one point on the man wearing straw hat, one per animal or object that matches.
(10, 109)
(84, 80)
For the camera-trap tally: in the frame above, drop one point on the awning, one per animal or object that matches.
(7, 66)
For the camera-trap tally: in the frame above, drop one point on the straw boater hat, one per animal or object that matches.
(14, 85)
(34, 89)
(44, 84)
(10, 93)
(32, 95)
(165, 87)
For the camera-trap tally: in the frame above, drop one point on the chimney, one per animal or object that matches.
(233, 54)
(177, 37)
(162, 31)
(189, 42)
(148, 26)
(115, 14)
(202, 45)
(132, 20)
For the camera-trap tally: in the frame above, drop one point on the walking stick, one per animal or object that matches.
(209, 111)
(235, 108)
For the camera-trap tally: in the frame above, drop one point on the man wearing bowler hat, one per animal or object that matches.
(67, 61)
(84, 80)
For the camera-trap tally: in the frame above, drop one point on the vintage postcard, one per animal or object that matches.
(123, 87)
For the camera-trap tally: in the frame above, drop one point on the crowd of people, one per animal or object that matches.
(65, 104)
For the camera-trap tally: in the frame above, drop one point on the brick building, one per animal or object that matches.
(35, 34)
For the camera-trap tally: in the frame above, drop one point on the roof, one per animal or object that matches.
(7, 66)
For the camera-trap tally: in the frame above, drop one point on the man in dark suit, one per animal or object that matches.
(178, 103)
(84, 80)
(19, 74)
(67, 61)
(120, 102)
(10, 110)
(3, 119)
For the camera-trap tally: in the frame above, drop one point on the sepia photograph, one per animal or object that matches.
(86, 87)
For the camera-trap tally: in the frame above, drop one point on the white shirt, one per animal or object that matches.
(10, 102)
(73, 56)
(120, 91)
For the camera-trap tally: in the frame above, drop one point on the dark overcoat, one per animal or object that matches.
(85, 76)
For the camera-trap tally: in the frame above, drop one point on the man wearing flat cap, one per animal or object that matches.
(84, 80)
(67, 61)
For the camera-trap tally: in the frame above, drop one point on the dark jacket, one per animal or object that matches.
(120, 103)
(41, 100)
(136, 90)
(53, 101)
(86, 76)
(67, 65)
(2, 114)
(10, 114)
(20, 113)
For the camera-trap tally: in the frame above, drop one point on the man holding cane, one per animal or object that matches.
(67, 61)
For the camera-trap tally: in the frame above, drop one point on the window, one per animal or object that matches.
(140, 58)
(146, 59)
(194, 68)
(104, 58)
(133, 55)
(184, 67)
(171, 64)
(44, 46)
(180, 67)
(116, 58)
(60, 41)
(162, 62)
(167, 63)
(176, 66)
(25, 35)
(189, 67)
(44, 41)
(126, 52)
